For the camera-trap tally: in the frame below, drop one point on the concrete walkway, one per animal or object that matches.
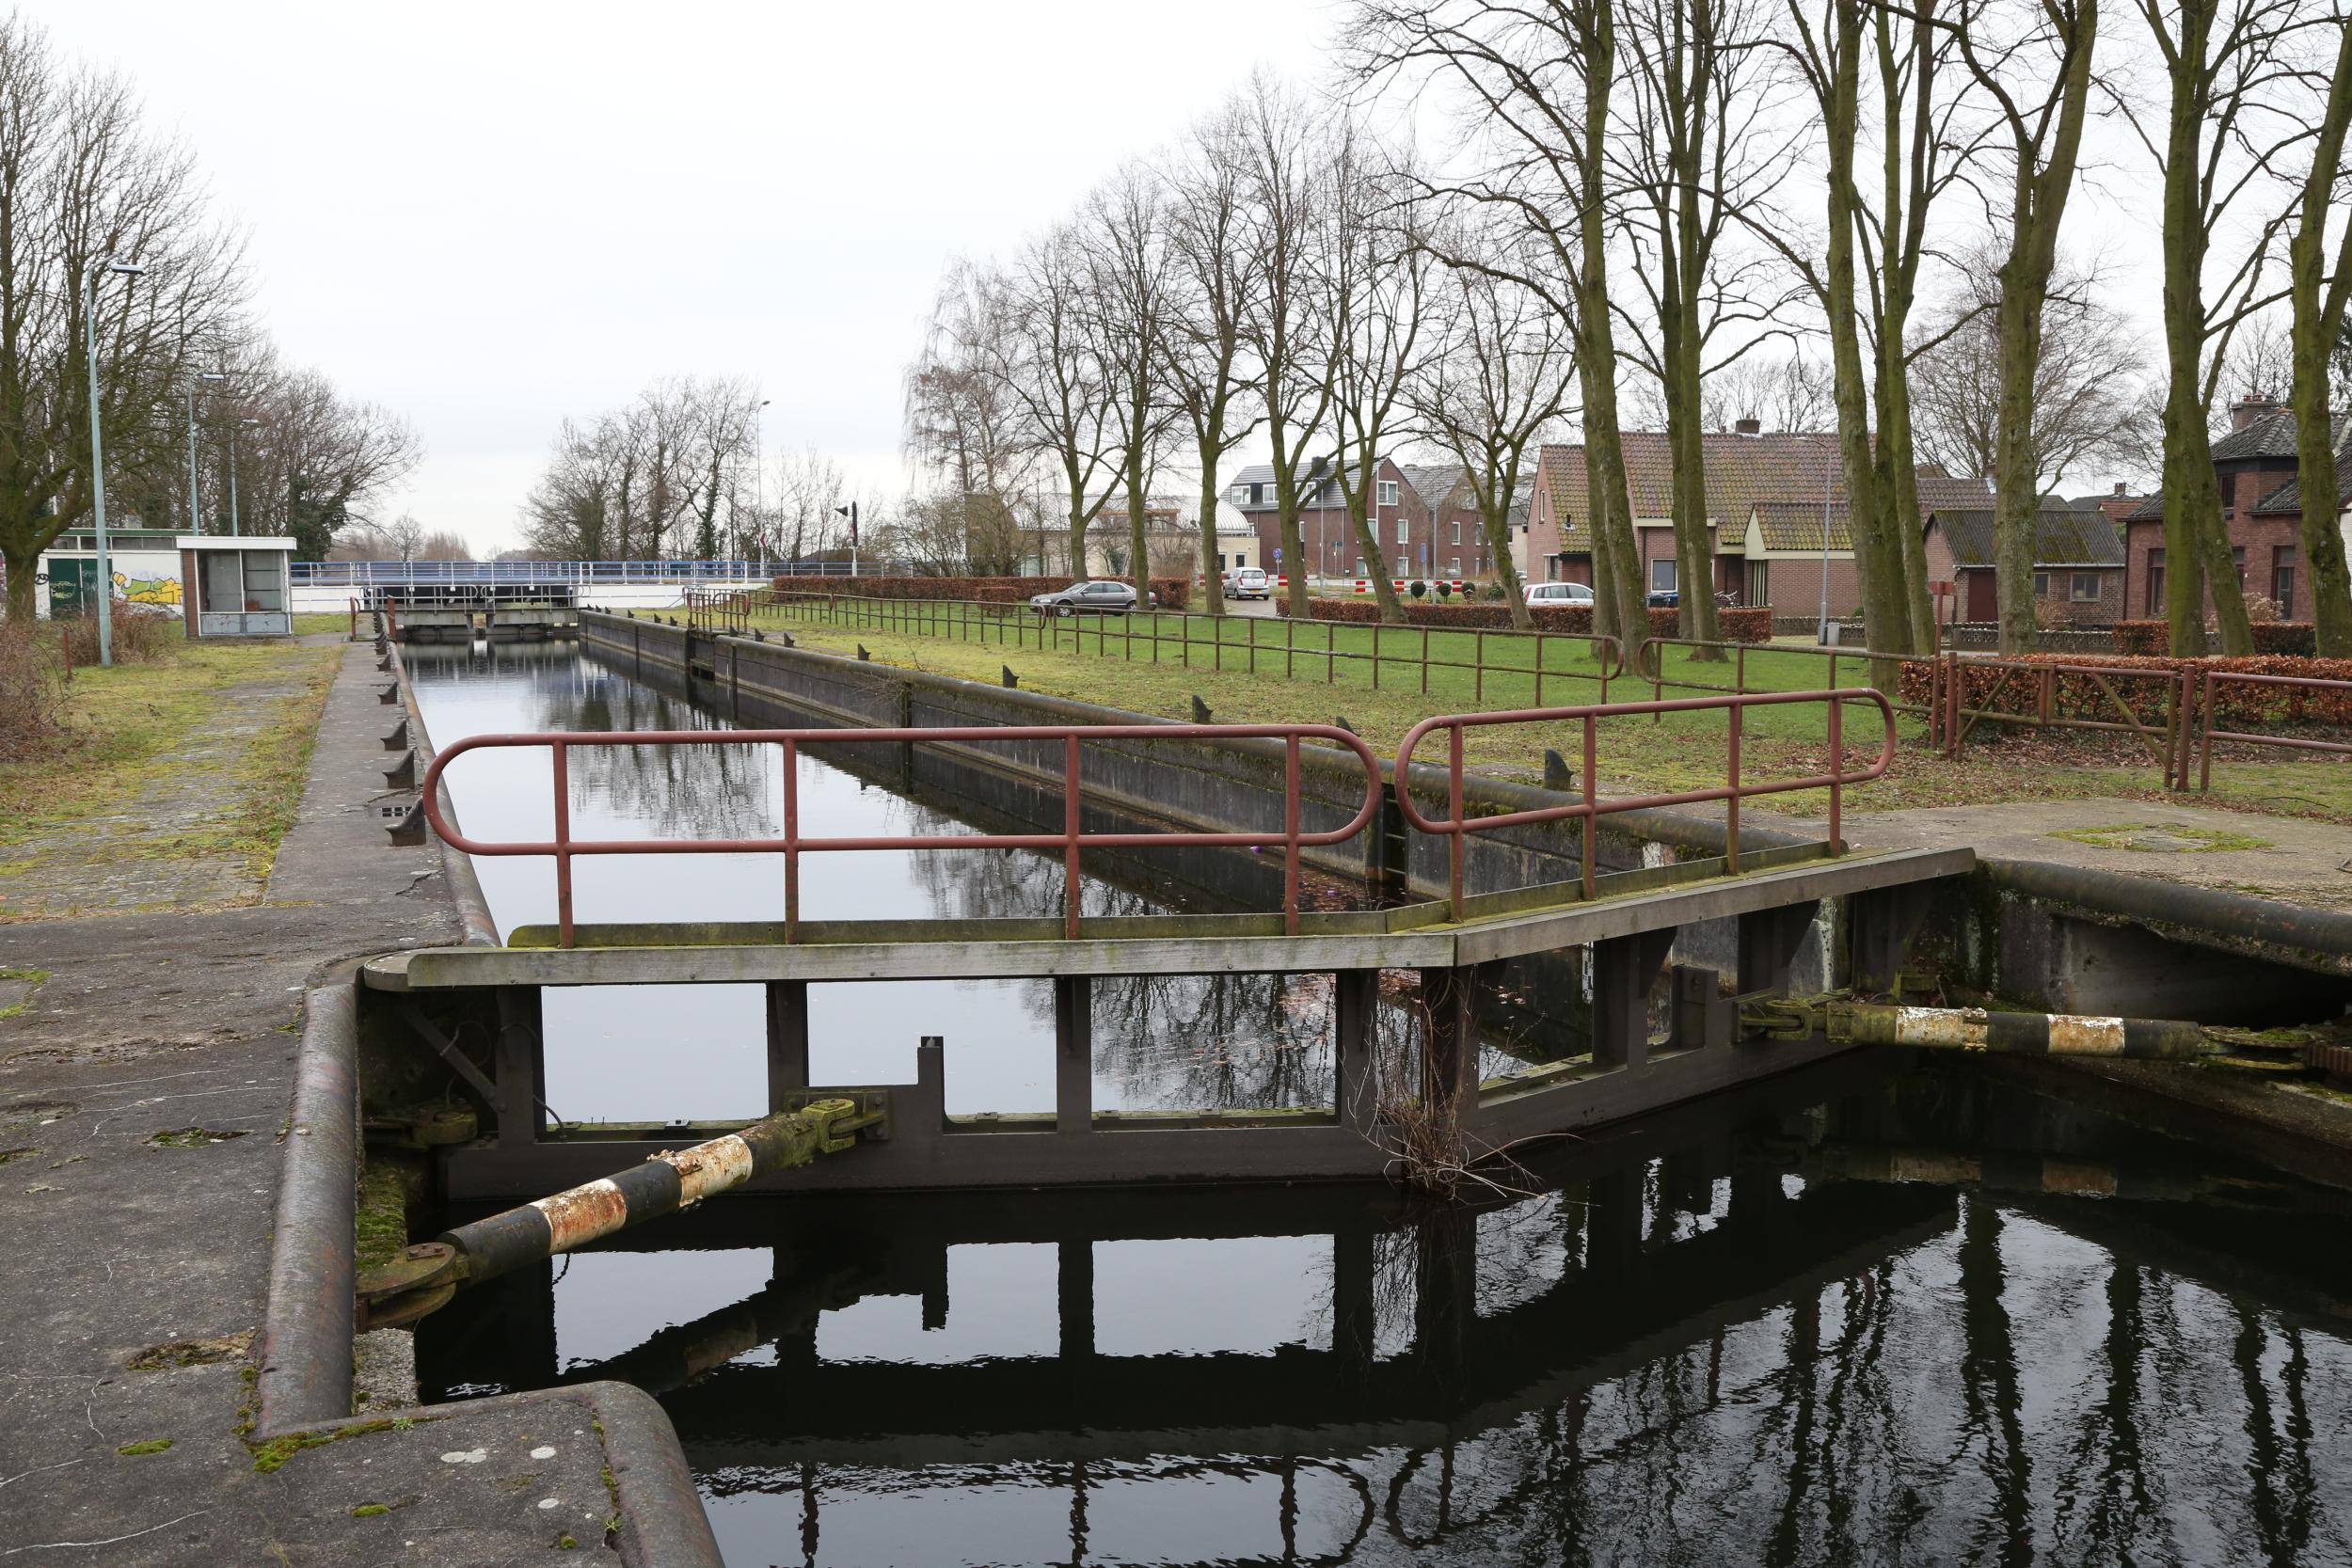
(144, 1093)
(2289, 858)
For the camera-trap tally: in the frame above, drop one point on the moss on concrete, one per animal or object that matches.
(152, 1445)
(381, 1216)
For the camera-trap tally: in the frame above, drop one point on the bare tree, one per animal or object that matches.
(1048, 364)
(1215, 286)
(82, 182)
(1535, 85)
(1781, 391)
(1288, 181)
(2222, 61)
(1501, 374)
(964, 429)
(1132, 281)
(805, 486)
(2087, 401)
(2032, 58)
(1695, 148)
(2320, 295)
(1375, 274)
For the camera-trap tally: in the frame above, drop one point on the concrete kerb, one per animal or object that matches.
(305, 1384)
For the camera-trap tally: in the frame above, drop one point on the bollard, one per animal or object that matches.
(1201, 714)
(396, 738)
(402, 774)
(1012, 682)
(405, 823)
(389, 695)
(1341, 720)
(1558, 776)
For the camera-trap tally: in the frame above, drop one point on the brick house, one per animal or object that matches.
(1457, 535)
(1400, 519)
(2260, 506)
(2077, 563)
(1777, 509)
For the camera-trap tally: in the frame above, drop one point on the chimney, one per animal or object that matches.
(1747, 425)
(2252, 406)
(2121, 488)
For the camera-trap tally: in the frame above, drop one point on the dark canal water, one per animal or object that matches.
(1876, 1312)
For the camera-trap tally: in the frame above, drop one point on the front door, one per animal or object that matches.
(72, 587)
(1983, 604)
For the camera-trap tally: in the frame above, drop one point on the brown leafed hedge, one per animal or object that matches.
(1738, 625)
(1174, 592)
(2133, 681)
(2154, 639)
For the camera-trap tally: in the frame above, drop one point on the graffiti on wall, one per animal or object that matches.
(148, 590)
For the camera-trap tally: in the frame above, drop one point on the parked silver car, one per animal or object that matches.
(1087, 598)
(1248, 582)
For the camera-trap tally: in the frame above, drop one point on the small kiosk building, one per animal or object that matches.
(235, 586)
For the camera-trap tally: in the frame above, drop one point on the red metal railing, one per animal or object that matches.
(1456, 827)
(1952, 715)
(793, 844)
(2207, 735)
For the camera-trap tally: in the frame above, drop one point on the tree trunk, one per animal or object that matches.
(1212, 572)
(1495, 517)
(21, 563)
(1616, 560)
(1360, 523)
(1878, 559)
(1138, 540)
(2319, 317)
(1695, 564)
(2038, 207)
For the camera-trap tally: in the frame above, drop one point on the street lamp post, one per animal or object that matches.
(850, 512)
(98, 455)
(233, 531)
(195, 524)
(759, 490)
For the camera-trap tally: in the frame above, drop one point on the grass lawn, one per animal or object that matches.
(1314, 671)
(197, 756)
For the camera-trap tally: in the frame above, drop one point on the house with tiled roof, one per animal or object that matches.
(1422, 515)
(2077, 563)
(1776, 515)
(2261, 505)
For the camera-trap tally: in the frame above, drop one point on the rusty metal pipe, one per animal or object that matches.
(2015, 1034)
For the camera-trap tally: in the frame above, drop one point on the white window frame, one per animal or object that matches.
(1661, 575)
(1454, 567)
(1385, 489)
(1458, 530)
(2074, 589)
(1404, 532)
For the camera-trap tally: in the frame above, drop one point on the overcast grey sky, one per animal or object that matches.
(489, 215)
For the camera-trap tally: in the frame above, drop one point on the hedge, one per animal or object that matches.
(1753, 625)
(1175, 592)
(2154, 639)
(2077, 696)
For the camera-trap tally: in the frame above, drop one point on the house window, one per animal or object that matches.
(1244, 494)
(2085, 588)
(1454, 567)
(2041, 585)
(1759, 583)
(2282, 578)
(1404, 532)
(1661, 575)
(2156, 584)
(1359, 567)
(2237, 558)
(1387, 491)
(1458, 530)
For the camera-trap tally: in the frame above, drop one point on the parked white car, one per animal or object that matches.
(1248, 582)
(1556, 593)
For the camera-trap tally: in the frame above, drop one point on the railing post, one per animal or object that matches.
(1731, 806)
(1457, 846)
(1592, 807)
(791, 843)
(1073, 1053)
(1289, 833)
(1069, 834)
(1836, 772)
(2204, 733)
(563, 840)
